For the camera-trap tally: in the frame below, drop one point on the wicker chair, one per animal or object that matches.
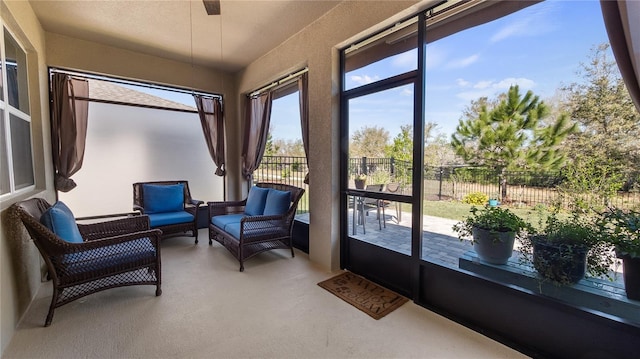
(116, 253)
(190, 206)
(255, 233)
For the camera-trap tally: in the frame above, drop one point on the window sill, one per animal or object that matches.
(604, 296)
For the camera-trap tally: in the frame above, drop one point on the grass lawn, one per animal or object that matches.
(458, 211)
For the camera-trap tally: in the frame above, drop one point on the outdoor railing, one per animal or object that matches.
(440, 183)
(288, 170)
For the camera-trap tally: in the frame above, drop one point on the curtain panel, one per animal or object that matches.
(256, 128)
(303, 93)
(622, 20)
(212, 121)
(68, 127)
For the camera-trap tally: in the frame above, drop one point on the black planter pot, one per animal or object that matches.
(631, 275)
(561, 263)
(360, 183)
(493, 247)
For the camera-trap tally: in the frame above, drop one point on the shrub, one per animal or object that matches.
(476, 198)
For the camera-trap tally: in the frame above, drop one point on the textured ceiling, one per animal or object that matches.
(181, 29)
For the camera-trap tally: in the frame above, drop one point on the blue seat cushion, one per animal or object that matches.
(255, 201)
(163, 198)
(60, 220)
(277, 202)
(222, 221)
(114, 256)
(163, 219)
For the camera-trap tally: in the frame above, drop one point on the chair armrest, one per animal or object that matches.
(196, 202)
(95, 231)
(228, 207)
(138, 208)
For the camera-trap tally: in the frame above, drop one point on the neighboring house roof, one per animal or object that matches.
(109, 91)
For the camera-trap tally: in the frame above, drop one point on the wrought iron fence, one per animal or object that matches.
(288, 170)
(440, 183)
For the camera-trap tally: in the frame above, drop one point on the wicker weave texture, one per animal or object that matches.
(115, 253)
(190, 205)
(258, 233)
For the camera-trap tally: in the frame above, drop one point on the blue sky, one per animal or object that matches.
(538, 48)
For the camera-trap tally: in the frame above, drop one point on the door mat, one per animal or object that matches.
(367, 296)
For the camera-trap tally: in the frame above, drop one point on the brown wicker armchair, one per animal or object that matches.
(181, 220)
(246, 235)
(111, 254)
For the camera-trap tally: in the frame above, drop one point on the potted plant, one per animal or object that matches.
(623, 230)
(361, 180)
(494, 231)
(564, 250)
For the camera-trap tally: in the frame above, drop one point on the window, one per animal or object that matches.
(16, 156)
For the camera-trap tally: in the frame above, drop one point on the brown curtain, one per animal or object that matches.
(256, 128)
(303, 92)
(212, 121)
(622, 20)
(68, 127)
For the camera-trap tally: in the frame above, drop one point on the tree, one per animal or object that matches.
(401, 150)
(369, 141)
(511, 134)
(608, 121)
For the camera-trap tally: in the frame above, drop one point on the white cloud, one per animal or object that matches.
(461, 63)
(535, 23)
(365, 79)
(491, 88)
(463, 83)
(406, 60)
(406, 92)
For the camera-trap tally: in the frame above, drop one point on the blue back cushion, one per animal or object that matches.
(255, 201)
(163, 198)
(277, 202)
(60, 220)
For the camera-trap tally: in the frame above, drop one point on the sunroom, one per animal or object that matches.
(325, 41)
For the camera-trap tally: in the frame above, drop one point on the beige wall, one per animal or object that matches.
(317, 46)
(19, 259)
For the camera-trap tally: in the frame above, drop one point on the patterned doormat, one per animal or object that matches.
(363, 294)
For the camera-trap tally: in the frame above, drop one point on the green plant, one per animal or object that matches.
(361, 177)
(493, 219)
(622, 228)
(476, 198)
(569, 237)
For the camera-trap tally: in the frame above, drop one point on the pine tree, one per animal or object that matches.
(511, 135)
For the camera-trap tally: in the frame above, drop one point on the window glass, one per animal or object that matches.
(21, 152)
(5, 183)
(391, 55)
(16, 67)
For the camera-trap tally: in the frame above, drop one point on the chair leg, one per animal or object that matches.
(384, 219)
(52, 307)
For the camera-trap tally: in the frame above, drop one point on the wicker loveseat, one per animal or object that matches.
(169, 206)
(87, 258)
(261, 222)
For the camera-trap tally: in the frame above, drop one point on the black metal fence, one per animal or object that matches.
(288, 170)
(521, 187)
(440, 183)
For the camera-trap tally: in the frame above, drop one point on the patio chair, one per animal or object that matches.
(369, 204)
(261, 222)
(169, 206)
(83, 259)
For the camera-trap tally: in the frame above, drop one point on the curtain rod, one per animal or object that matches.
(85, 75)
(279, 82)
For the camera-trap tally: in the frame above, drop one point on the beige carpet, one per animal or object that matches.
(208, 309)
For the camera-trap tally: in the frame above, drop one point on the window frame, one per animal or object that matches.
(8, 110)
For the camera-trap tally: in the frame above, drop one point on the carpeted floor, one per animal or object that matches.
(208, 309)
(372, 299)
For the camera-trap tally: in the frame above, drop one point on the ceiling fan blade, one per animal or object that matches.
(212, 6)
